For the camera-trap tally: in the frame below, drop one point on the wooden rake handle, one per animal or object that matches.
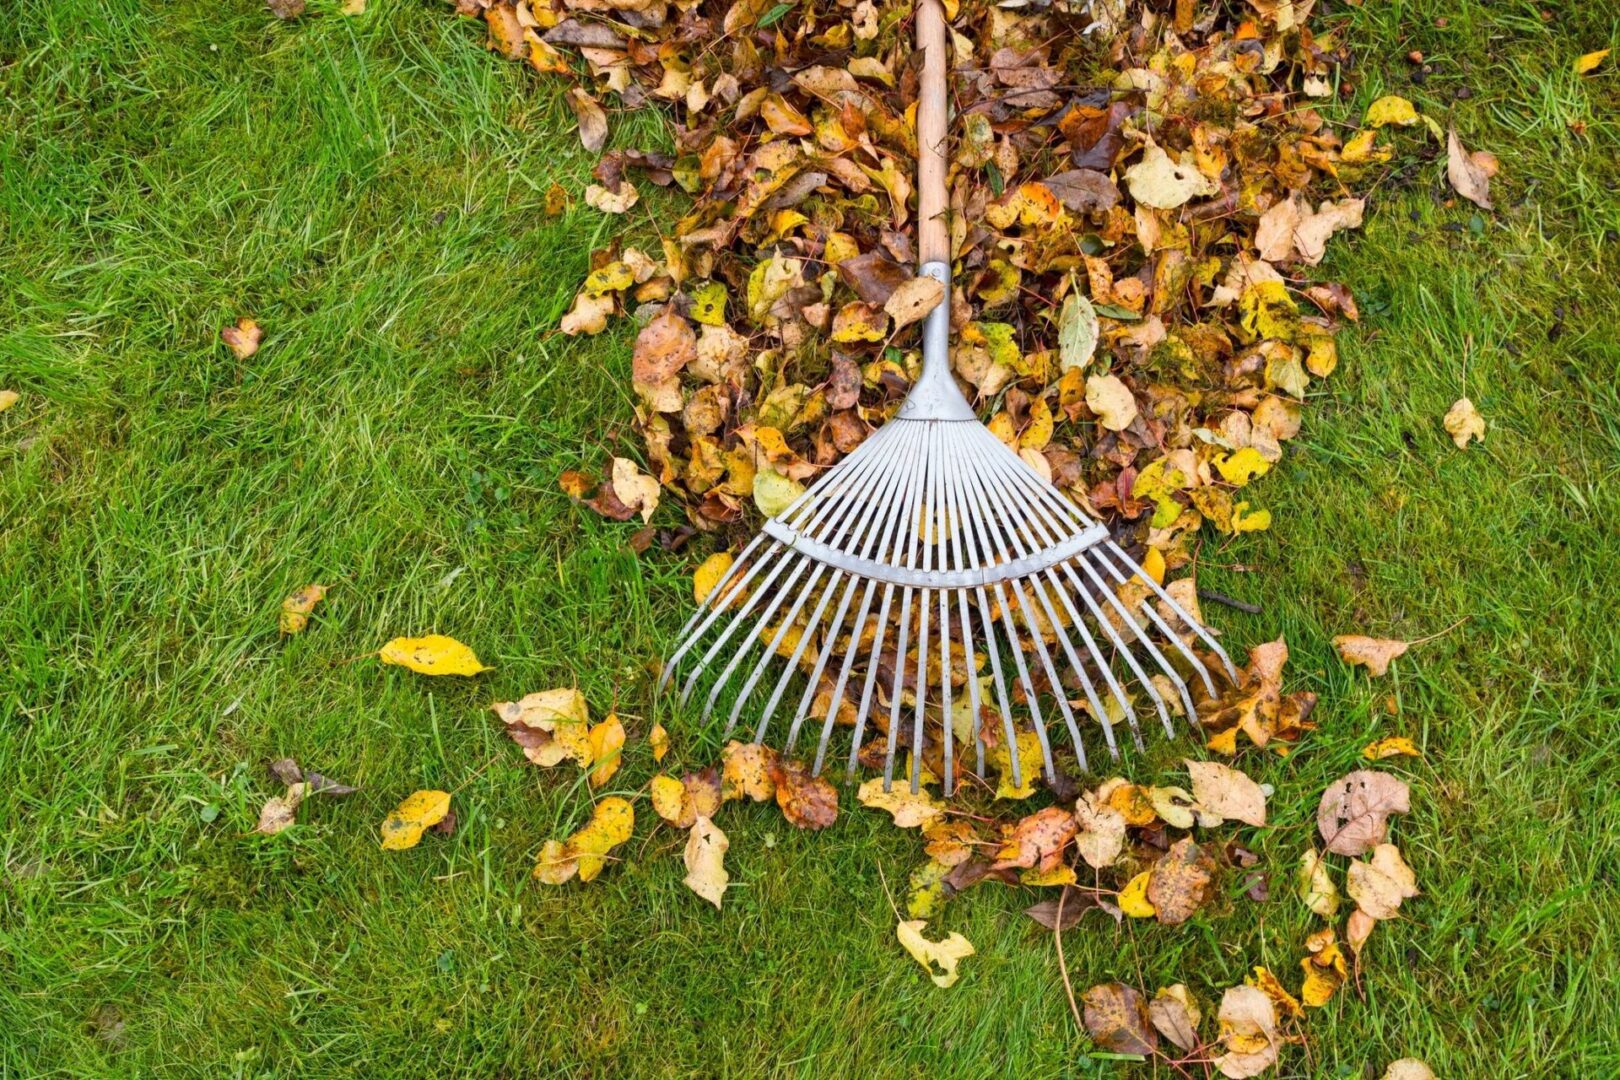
(933, 231)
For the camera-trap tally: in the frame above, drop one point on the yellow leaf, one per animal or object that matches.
(1265, 310)
(1133, 899)
(8, 398)
(709, 304)
(939, 958)
(404, 826)
(1394, 746)
(1588, 62)
(1269, 985)
(658, 739)
(668, 797)
(705, 861)
(1376, 653)
(1240, 467)
(616, 276)
(746, 772)
(1244, 520)
(858, 321)
(1314, 885)
(774, 493)
(432, 655)
(1111, 400)
(1060, 875)
(585, 852)
(607, 744)
(1039, 430)
(708, 575)
(908, 810)
(1325, 969)
(1391, 110)
(1153, 565)
(1030, 760)
(296, 608)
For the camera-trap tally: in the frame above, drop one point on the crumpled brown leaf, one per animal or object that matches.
(1117, 1019)
(1353, 817)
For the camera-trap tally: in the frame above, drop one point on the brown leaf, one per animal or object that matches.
(1175, 1014)
(1117, 1019)
(874, 276)
(745, 772)
(1226, 792)
(1354, 813)
(1469, 173)
(664, 346)
(593, 126)
(281, 811)
(913, 300)
(1376, 653)
(1075, 901)
(244, 337)
(1037, 840)
(1180, 882)
(296, 609)
(808, 802)
(1084, 191)
(285, 9)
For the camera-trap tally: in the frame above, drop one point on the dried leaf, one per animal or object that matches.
(1393, 746)
(1117, 1019)
(1181, 882)
(1159, 181)
(1315, 886)
(592, 120)
(809, 802)
(434, 654)
(658, 739)
(1463, 422)
(244, 337)
(938, 958)
(1248, 1032)
(909, 811)
(1470, 174)
(1411, 1068)
(1100, 835)
(746, 772)
(913, 300)
(1354, 814)
(1227, 793)
(280, 811)
(705, 857)
(607, 744)
(1379, 885)
(1037, 840)
(549, 725)
(404, 825)
(1175, 1015)
(1111, 400)
(1376, 653)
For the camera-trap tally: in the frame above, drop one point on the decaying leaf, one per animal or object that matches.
(295, 609)
(1100, 832)
(1470, 174)
(1379, 885)
(705, 857)
(658, 740)
(244, 337)
(1315, 885)
(1036, 841)
(1353, 817)
(1175, 1015)
(434, 654)
(1324, 968)
(746, 772)
(1227, 793)
(1111, 400)
(1248, 1021)
(1269, 985)
(280, 811)
(1181, 882)
(913, 300)
(404, 825)
(1376, 653)
(1392, 746)
(1463, 423)
(938, 958)
(1117, 1019)
(1159, 181)
(809, 802)
(1411, 1068)
(549, 725)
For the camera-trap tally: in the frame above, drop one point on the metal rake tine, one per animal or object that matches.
(837, 696)
(773, 648)
(755, 631)
(871, 676)
(931, 539)
(960, 559)
(788, 558)
(808, 696)
(913, 539)
(710, 609)
(1197, 627)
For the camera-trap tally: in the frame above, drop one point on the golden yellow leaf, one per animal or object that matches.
(1324, 967)
(1153, 565)
(1587, 63)
(607, 745)
(709, 573)
(1030, 760)
(1391, 109)
(8, 398)
(404, 826)
(745, 772)
(658, 739)
(434, 654)
(705, 861)
(858, 321)
(1393, 746)
(938, 958)
(908, 810)
(1133, 899)
(668, 798)
(296, 608)
(584, 853)
(549, 725)
(1269, 985)
(1111, 400)
(1241, 466)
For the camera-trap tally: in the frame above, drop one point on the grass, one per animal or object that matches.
(371, 190)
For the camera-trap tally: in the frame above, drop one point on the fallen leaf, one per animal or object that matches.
(404, 825)
(1411, 1068)
(434, 654)
(285, 9)
(1100, 832)
(1354, 813)
(708, 575)
(1585, 64)
(1393, 746)
(745, 772)
(1161, 182)
(1269, 985)
(634, 488)
(1078, 332)
(1391, 109)
(808, 802)
(280, 811)
(1030, 758)
(938, 958)
(1180, 882)
(909, 811)
(1463, 422)
(705, 857)
(1133, 898)
(585, 852)
(774, 493)
(1175, 1014)
(913, 300)
(1111, 400)
(8, 398)
(549, 725)
(1315, 886)
(1248, 1023)
(1227, 793)
(1379, 885)
(1037, 840)
(612, 201)
(1324, 968)
(658, 739)
(243, 338)
(607, 744)
(1376, 653)
(1470, 174)
(1117, 1019)
(295, 609)
(1074, 902)
(592, 120)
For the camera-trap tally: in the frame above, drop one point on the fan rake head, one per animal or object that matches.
(933, 583)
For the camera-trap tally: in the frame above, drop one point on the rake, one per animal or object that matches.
(930, 546)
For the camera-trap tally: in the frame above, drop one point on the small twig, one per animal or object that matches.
(1063, 965)
(1221, 598)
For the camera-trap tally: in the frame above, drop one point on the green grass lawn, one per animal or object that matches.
(372, 190)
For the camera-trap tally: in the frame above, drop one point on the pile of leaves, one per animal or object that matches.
(1134, 199)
